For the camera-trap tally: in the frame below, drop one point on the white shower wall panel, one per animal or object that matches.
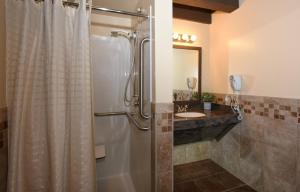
(111, 65)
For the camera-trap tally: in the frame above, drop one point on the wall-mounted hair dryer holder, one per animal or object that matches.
(233, 100)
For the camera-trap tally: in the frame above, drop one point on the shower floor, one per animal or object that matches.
(206, 176)
(119, 183)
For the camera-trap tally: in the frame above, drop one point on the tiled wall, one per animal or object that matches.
(162, 140)
(191, 152)
(263, 149)
(3, 149)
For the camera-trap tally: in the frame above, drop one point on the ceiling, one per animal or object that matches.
(127, 5)
(201, 10)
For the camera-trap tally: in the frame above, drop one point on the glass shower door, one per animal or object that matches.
(140, 156)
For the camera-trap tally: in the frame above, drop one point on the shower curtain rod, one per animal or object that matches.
(102, 9)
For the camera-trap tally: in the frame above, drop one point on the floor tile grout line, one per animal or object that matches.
(194, 180)
(233, 188)
(199, 178)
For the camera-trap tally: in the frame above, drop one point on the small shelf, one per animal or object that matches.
(99, 152)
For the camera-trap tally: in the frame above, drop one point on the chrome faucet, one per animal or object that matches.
(181, 109)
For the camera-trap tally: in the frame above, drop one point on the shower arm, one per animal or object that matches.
(141, 79)
(128, 115)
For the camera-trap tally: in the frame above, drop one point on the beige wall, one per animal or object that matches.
(261, 42)
(2, 55)
(202, 32)
(163, 51)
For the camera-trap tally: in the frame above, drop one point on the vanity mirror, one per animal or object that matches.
(187, 72)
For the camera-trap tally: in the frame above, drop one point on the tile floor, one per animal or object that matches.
(206, 176)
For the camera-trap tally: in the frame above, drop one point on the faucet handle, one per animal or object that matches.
(178, 108)
(186, 107)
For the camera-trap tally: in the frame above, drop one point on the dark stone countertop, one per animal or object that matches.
(217, 122)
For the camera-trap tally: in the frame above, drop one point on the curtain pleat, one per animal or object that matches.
(51, 146)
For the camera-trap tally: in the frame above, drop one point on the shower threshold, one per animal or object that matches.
(118, 183)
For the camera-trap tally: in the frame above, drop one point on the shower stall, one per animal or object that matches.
(121, 65)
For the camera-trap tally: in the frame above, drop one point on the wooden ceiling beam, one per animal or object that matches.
(192, 14)
(215, 5)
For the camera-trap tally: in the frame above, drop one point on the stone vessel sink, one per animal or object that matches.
(190, 114)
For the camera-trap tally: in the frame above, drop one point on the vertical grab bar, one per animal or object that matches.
(141, 79)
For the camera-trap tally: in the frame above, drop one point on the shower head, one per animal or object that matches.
(127, 35)
(119, 33)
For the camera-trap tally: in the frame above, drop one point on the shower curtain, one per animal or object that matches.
(51, 147)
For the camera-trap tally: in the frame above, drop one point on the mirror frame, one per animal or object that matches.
(199, 49)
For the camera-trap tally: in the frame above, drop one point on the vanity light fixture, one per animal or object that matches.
(177, 37)
(185, 37)
(193, 38)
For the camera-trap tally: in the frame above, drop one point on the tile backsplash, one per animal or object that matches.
(263, 149)
(191, 152)
(272, 107)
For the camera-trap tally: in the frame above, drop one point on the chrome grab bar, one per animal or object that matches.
(141, 79)
(134, 121)
(109, 114)
(128, 115)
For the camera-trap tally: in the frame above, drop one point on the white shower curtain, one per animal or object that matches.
(51, 147)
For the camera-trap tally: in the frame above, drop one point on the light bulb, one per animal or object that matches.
(175, 36)
(185, 37)
(193, 38)
(179, 37)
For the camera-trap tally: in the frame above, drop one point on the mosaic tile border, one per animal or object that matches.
(272, 107)
(165, 122)
(270, 110)
(162, 149)
(163, 115)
